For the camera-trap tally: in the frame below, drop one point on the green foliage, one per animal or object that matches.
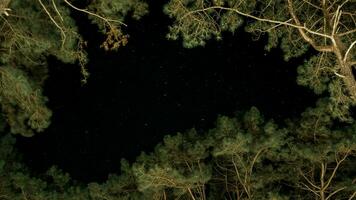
(22, 102)
(246, 157)
(318, 73)
(31, 31)
(294, 26)
(175, 169)
(315, 79)
(340, 103)
(195, 24)
(29, 35)
(252, 158)
(118, 10)
(121, 187)
(2, 122)
(59, 179)
(6, 152)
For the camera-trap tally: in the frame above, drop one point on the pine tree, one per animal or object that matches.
(245, 157)
(31, 31)
(329, 27)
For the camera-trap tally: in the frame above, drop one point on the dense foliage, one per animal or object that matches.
(329, 27)
(31, 31)
(245, 157)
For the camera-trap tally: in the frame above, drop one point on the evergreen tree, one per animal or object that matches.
(177, 168)
(250, 158)
(329, 27)
(33, 30)
(246, 157)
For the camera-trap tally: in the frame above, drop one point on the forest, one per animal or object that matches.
(245, 156)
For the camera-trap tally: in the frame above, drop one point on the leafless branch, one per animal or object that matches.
(304, 35)
(333, 193)
(349, 50)
(54, 22)
(352, 196)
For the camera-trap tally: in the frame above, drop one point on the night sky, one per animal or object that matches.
(153, 87)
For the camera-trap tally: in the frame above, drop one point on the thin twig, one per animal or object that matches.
(57, 11)
(54, 21)
(349, 50)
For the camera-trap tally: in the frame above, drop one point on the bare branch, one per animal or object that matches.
(304, 35)
(5, 11)
(338, 163)
(347, 32)
(57, 11)
(322, 174)
(306, 187)
(54, 22)
(333, 193)
(337, 17)
(343, 3)
(352, 196)
(313, 5)
(191, 194)
(243, 183)
(93, 14)
(339, 75)
(259, 19)
(349, 50)
(311, 183)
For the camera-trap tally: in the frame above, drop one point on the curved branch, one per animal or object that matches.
(54, 22)
(349, 50)
(298, 26)
(338, 163)
(57, 11)
(93, 14)
(304, 35)
(352, 196)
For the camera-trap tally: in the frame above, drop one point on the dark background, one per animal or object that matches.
(153, 87)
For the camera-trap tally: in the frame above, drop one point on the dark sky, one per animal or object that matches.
(153, 87)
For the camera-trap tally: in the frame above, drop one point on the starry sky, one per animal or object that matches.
(151, 88)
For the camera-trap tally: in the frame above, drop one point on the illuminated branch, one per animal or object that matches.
(54, 22)
(304, 35)
(259, 19)
(352, 196)
(93, 14)
(57, 11)
(5, 11)
(4, 7)
(349, 50)
(347, 32)
(321, 190)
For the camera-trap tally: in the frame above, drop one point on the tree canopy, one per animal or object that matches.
(243, 157)
(329, 27)
(31, 31)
